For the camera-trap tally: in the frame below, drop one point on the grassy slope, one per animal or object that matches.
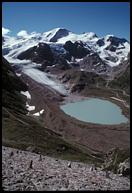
(22, 132)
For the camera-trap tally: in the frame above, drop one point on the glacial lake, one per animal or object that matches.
(95, 110)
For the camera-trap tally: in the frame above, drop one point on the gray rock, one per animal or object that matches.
(124, 168)
(50, 174)
(69, 164)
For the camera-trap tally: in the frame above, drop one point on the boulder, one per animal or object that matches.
(124, 168)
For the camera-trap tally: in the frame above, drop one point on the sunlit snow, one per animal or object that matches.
(39, 113)
(17, 45)
(30, 108)
(42, 78)
(27, 94)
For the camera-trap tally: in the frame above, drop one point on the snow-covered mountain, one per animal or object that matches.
(55, 34)
(110, 49)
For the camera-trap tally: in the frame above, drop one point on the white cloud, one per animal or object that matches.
(5, 31)
(22, 33)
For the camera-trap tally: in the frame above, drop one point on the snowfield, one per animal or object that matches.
(42, 78)
(27, 94)
(29, 69)
(91, 36)
(30, 108)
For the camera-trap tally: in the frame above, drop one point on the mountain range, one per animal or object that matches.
(58, 44)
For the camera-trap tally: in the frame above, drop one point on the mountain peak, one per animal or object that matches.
(59, 29)
(55, 34)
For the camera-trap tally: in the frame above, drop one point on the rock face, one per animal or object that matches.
(25, 171)
(93, 62)
(44, 64)
(38, 53)
(100, 42)
(79, 80)
(121, 76)
(115, 41)
(62, 64)
(76, 49)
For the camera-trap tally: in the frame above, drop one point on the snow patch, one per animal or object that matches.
(39, 113)
(27, 94)
(97, 64)
(18, 74)
(78, 60)
(30, 108)
(36, 114)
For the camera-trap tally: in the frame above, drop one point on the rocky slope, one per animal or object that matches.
(46, 173)
(84, 80)
(81, 80)
(121, 76)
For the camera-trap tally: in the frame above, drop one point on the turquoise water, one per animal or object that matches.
(95, 111)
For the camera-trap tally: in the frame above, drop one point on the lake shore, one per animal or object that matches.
(95, 110)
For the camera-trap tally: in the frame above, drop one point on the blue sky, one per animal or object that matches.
(101, 18)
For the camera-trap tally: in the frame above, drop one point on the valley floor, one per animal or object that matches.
(53, 174)
(88, 135)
